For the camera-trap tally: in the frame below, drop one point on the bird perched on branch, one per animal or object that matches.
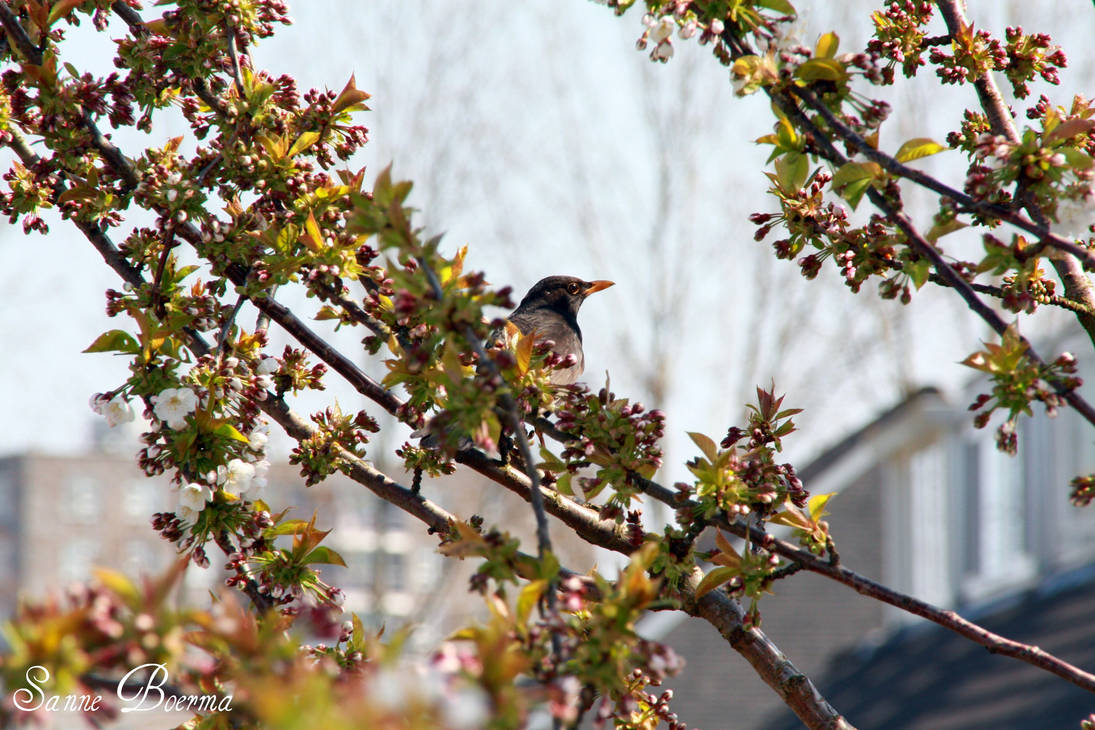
(550, 310)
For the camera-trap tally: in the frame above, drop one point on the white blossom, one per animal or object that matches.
(1075, 216)
(258, 482)
(258, 439)
(662, 52)
(173, 405)
(237, 476)
(192, 500)
(118, 410)
(267, 366)
(662, 28)
(194, 496)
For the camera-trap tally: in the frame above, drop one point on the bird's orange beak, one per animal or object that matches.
(595, 286)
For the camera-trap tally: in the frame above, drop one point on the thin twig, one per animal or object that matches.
(788, 105)
(890, 164)
(226, 328)
(234, 57)
(1078, 286)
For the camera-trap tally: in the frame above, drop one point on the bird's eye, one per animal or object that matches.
(573, 287)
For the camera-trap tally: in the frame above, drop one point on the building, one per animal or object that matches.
(63, 516)
(927, 505)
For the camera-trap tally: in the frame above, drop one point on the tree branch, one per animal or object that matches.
(1040, 229)
(861, 584)
(1078, 286)
(786, 102)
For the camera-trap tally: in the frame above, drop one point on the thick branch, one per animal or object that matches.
(30, 52)
(796, 689)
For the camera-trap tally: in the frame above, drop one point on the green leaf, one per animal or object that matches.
(939, 230)
(714, 579)
(816, 505)
(228, 431)
(853, 178)
(707, 445)
(1077, 159)
(61, 9)
(914, 149)
(303, 142)
(527, 600)
(324, 554)
(118, 583)
(827, 45)
(919, 271)
(780, 6)
(289, 527)
(792, 170)
(822, 69)
(114, 341)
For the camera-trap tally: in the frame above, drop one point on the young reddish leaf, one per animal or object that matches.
(312, 236)
(723, 544)
(1071, 128)
(350, 98)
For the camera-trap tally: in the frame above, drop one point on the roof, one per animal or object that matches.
(930, 677)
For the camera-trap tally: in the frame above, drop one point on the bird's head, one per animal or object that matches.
(563, 294)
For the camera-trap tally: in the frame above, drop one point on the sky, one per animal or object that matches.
(541, 138)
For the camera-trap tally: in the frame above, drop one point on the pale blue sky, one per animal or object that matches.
(535, 132)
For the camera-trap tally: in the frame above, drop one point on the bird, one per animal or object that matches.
(549, 311)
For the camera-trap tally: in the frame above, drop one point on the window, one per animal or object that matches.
(998, 552)
(929, 575)
(77, 557)
(395, 572)
(139, 500)
(82, 500)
